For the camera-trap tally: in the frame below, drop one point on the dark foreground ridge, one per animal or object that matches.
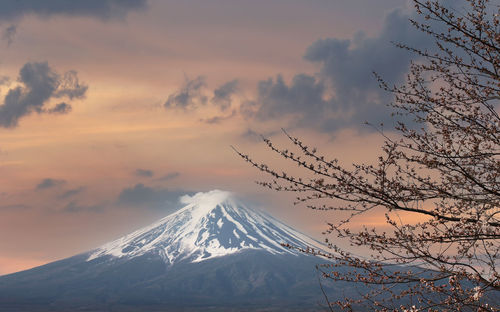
(250, 280)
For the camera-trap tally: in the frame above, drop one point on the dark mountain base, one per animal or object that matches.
(246, 281)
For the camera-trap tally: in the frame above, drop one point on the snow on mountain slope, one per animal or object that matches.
(212, 224)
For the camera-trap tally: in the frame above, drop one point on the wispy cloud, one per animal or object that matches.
(223, 94)
(145, 173)
(49, 183)
(71, 192)
(9, 33)
(254, 136)
(75, 207)
(189, 96)
(169, 176)
(61, 108)
(218, 119)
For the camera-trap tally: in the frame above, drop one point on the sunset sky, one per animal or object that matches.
(110, 110)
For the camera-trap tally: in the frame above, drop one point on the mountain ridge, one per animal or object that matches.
(215, 254)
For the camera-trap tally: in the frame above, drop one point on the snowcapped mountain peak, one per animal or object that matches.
(202, 203)
(212, 224)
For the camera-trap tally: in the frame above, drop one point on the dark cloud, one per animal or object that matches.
(223, 95)
(74, 207)
(40, 84)
(104, 9)
(71, 192)
(145, 173)
(345, 92)
(70, 86)
(61, 108)
(189, 96)
(218, 119)
(142, 196)
(9, 33)
(169, 176)
(349, 63)
(194, 94)
(49, 183)
(303, 98)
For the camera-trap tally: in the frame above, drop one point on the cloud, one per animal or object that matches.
(9, 33)
(144, 173)
(142, 196)
(189, 96)
(349, 63)
(74, 207)
(255, 136)
(222, 95)
(103, 9)
(218, 119)
(71, 192)
(303, 98)
(251, 135)
(248, 108)
(49, 183)
(40, 84)
(14, 207)
(70, 86)
(61, 108)
(193, 94)
(169, 176)
(344, 92)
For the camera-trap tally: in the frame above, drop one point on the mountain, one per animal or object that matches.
(211, 225)
(215, 254)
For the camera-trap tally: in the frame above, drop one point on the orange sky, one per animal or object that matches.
(63, 176)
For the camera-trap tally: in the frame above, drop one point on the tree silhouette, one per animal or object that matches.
(442, 168)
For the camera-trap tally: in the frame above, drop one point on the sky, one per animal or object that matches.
(110, 110)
